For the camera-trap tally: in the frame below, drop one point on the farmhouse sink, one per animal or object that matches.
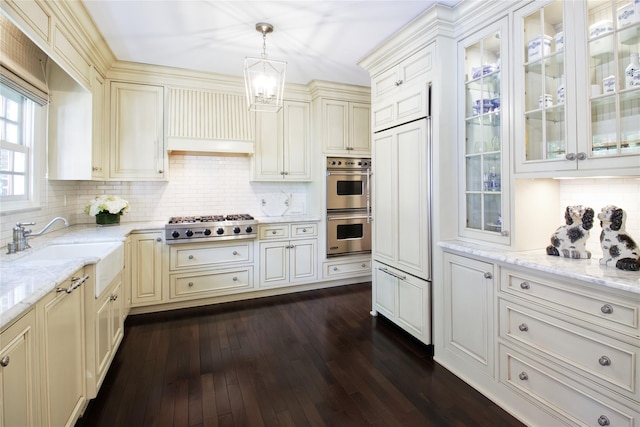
(110, 258)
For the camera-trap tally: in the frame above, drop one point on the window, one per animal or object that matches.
(18, 129)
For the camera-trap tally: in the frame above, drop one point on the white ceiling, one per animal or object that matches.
(319, 40)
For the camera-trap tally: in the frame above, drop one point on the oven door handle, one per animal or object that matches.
(364, 173)
(337, 218)
(369, 195)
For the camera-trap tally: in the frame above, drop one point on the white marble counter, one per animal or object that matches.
(290, 218)
(586, 270)
(23, 282)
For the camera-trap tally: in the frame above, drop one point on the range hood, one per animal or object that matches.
(205, 122)
(209, 146)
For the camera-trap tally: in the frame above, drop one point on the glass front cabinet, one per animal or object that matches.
(577, 91)
(483, 200)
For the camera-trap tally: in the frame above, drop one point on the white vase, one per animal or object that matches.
(631, 69)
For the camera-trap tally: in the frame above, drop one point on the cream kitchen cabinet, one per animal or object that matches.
(346, 127)
(570, 121)
(404, 299)
(282, 150)
(19, 381)
(469, 301)
(350, 266)
(137, 150)
(99, 144)
(400, 94)
(146, 268)
(401, 198)
(105, 330)
(288, 254)
(570, 347)
(210, 269)
(61, 331)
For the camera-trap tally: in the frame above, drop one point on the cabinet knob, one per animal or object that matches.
(335, 268)
(571, 156)
(235, 279)
(523, 376)
(523, 327)
(160, 171)
(505, 233)
(4, 362)
(582, 156)
(363, 265)
(273, 232)
(235, 252)
(190, 257)
(525, 285)
(399, 82)
(113, 297)
(606, 309)
(603, 420)
(488, 275)
(604, 361)
(285, 173)
(190, 284)
(158, 239)
(304, 230)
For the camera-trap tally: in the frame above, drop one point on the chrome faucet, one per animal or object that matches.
(21, 235)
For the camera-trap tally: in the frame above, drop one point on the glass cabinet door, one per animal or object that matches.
(482, 62)
(544, 84)
(614, 74)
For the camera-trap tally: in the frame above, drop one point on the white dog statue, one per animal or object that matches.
(570, 240)
(618, 248)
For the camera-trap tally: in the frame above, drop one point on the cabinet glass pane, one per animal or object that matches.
(614, 43)
(483, 129)
(544, 72)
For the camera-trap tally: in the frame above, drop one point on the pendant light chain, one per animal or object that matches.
(264, 45)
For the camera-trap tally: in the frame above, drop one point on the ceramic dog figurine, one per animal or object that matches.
(618, 248)
(569, 240)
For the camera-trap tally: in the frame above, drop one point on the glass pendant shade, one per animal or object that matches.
(264, 84)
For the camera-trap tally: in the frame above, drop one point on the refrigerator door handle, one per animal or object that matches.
(391, 273)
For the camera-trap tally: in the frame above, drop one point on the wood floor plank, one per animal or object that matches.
(306, 359)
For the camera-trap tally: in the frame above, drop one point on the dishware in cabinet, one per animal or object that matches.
(573, 112)
(484, 214)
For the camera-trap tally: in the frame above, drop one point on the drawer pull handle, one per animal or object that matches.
(235, 279)
(4, 362)
(235, 252)
(525, 285)
(75, 283)
(523, 327)
(603, 420)
(523, 376)
(488, 275)
(190, 256)
(190, 284)
(606, 309)
(604, 361)
(335, 268)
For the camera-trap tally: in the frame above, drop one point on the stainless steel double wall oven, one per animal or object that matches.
(348, 206)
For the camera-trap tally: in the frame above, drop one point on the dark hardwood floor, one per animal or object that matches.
(306, 359)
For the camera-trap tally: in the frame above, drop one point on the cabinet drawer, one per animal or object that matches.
(273, 231)
(199, 285)
(601, 309)
(303, 230)
(347, 268)
(578, 405)
(204, 254)
(612, 363)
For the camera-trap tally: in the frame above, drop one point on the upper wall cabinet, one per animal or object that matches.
(346, 127)
(282, 144)
(484, 210)
(575, 112)
(400, 93)
(137, 150)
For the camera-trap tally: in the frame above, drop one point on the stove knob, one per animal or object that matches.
(207, 232)
(248, 229)
(175, 234)
(189, 233)
(220, 230)
(236, 230)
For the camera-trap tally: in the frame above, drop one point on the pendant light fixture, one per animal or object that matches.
(264, 78)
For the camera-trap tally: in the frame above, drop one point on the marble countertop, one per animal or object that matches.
(24, 282)
(586, 270)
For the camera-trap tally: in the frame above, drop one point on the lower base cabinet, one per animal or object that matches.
(62, 336)
(146, 268)
(543, 347)
(403, 299)
(346, 267)
(19, 399)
